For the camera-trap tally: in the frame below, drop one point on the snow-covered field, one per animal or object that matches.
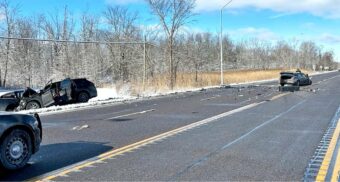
(110, 96)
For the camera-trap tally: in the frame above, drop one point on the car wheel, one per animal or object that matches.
(16, 150)
(32, 105)
(83, 97)
(282, 84)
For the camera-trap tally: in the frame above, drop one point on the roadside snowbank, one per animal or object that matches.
(105, 96)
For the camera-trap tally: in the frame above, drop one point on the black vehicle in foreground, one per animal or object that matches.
(59, 93)
(20, 137)
(294, 78)
(9, 100)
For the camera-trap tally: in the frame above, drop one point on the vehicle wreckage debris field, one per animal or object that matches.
(246, 132)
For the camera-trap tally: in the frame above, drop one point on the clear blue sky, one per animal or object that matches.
(270, 20)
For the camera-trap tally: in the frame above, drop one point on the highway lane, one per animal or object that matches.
(67, 140)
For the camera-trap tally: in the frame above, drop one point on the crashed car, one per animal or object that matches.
(9, 100)
(59, 93)
(20, 137)
(294, 78)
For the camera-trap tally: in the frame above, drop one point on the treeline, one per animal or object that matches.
(111, 47)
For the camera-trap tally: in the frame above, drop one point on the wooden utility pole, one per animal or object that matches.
(144, 64)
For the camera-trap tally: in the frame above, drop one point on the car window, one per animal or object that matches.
(81, 83)
(50, 86)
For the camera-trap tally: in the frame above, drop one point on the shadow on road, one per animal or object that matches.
(121, 119)
(55, 156)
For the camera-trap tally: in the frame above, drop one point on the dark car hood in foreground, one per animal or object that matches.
(9, 120)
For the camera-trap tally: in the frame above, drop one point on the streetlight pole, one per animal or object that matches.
(221, 42)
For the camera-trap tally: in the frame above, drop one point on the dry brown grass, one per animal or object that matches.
(187, 80)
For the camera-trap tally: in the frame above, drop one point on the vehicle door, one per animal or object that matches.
(66, 90)
(299, 77)
(47, 97)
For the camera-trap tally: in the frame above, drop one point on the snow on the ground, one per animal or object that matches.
(105, 96)
(111, 96)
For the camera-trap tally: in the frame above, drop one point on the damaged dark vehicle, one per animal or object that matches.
(58, 93)
(294, 78)
(20, 137)
(9, 100)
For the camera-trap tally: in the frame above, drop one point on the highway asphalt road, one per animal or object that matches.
(249, 132)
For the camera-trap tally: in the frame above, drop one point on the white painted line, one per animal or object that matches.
(205, 158)
(132, 147)
(131, 114)
(48, 113)
(80, 127)
(263, 124)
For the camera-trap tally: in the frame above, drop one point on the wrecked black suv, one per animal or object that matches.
(59, 93)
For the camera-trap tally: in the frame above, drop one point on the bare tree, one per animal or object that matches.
(122, 22)
(59, 29)
(172, 15)
(122, 27)
(24, 48)
(10, 17)
(88, 32)
(74, 51)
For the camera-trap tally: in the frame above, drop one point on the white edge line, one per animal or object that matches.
(179, 130)
(131, 114)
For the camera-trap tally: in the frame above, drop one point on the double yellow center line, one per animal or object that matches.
(129, 148)
(332, 150)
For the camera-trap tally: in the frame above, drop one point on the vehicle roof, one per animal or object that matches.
(73, 79)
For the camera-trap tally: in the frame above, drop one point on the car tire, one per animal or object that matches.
(282, 84)
(32, 105)
(83, 97)
(16, 150)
